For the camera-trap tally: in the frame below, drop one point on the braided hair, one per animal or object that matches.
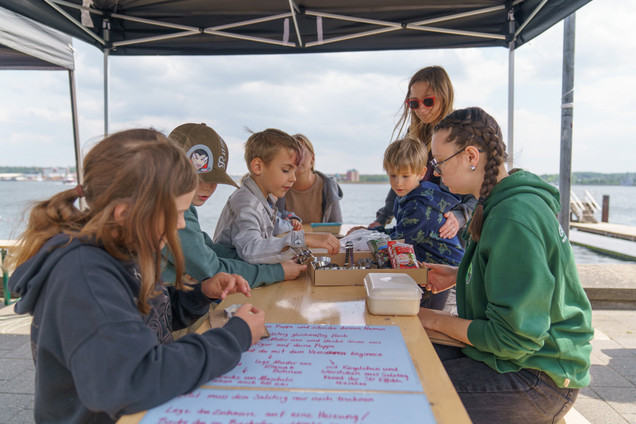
(474, 127)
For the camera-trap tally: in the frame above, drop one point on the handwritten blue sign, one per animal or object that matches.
(298, 356)
(224, 406)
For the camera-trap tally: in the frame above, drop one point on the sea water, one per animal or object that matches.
(359, 204)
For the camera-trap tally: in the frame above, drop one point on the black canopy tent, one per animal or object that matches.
(29, 45)
(228, 27)
(232, 27)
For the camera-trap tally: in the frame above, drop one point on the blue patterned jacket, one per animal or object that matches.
(419, 216)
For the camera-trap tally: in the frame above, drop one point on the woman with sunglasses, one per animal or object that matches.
(428, 99)
(523, 314)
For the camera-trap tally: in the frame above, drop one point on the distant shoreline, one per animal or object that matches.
(12, 173)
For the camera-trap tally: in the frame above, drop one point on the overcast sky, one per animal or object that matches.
(346, 103)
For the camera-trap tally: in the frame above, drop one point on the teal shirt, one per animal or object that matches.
(204, 259)
(519, 284)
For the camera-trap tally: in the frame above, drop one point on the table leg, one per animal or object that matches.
(5, 278)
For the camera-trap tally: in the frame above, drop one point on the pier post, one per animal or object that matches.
(605, 212)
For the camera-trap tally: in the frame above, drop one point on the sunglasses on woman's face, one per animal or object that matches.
(426, 101)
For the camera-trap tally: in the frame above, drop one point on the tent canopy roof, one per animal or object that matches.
(226, 27)
(25, 44)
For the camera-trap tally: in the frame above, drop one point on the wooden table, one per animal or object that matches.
(299, 302)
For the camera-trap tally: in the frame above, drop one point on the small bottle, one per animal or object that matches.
(349, 261)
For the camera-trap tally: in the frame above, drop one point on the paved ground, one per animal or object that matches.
(610, 399)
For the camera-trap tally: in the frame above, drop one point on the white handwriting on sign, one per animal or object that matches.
(332, 357)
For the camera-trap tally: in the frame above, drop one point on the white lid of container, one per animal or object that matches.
(391, 286)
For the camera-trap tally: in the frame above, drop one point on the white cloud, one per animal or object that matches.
(346, 103)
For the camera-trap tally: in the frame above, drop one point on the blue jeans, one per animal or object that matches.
(526, 396)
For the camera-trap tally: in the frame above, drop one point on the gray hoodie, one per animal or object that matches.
(247, 224)
(96, 357)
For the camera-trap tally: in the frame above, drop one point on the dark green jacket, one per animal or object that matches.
(519, 284)
(204, 259)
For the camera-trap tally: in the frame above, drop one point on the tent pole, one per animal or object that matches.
(511, 88)
(567, 113)
(78, 157)
(511, 103)
(106, 26)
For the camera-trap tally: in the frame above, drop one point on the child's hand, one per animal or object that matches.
(292, 269)
(359, 227)
(440, 277)
(373, 225)
(222, 284)
(255, 319)
(324, 240)
(296, 224)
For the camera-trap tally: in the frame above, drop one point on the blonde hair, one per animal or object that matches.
(138, 168)
(405, 154)
(304, 141)
(439, 82)
(266, 144)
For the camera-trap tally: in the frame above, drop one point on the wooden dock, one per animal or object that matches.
(610, 239)
(625, 232)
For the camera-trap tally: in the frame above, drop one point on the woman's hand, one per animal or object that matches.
(255, 319)
(323, 240)
(430, 318)
(292, 269)
(444, 322)
(440, 277)
(222, 284)
(450, 227)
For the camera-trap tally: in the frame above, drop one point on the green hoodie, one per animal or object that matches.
(204, 259)
(520, 286)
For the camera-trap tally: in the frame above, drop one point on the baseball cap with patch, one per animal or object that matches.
(206, 150)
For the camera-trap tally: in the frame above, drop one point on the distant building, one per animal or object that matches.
(353, 176)
(55, 174)
(58, 174)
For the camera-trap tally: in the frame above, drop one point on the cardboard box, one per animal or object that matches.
(355, 277)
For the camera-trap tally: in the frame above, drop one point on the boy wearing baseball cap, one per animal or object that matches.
(203, 259)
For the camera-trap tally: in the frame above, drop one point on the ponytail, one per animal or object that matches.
(46, 219)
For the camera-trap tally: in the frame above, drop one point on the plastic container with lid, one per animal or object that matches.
(392, 294)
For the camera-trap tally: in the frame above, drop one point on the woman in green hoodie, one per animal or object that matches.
(523, 314)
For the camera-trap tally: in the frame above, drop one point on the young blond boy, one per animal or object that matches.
(419, 209)
(248, 218)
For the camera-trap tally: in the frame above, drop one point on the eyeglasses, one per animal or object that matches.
(414, 103)
(436, 165)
